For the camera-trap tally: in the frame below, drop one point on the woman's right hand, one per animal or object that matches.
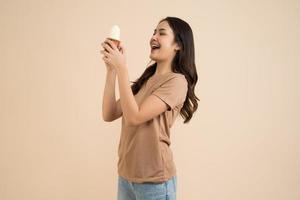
(109, 68)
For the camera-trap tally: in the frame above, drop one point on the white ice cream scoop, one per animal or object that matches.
(115, 34)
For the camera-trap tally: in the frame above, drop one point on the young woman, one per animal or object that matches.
(149, 107)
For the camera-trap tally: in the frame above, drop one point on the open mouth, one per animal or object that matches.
(154, 47)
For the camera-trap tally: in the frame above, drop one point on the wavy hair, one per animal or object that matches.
(183, 62)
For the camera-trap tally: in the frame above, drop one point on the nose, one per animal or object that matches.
(153, 38)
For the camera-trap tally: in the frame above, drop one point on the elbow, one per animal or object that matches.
(106, 118)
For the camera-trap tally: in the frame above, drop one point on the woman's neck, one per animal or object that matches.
(163, 68)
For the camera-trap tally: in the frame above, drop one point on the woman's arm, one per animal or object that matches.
(128, 103)
(111, 109)
(134, 114)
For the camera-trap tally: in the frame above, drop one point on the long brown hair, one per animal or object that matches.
(183, 62)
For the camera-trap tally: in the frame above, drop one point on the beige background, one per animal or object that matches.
(242, 143)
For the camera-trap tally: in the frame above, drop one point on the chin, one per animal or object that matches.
(152, 58)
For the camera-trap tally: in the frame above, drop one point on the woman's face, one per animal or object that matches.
(162, 43)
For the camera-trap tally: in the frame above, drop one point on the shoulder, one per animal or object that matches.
(171, 80)
(177, 78)
(180, 76)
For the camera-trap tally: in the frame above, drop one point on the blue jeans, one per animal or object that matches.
(147, 191)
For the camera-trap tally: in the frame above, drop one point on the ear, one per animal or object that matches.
(177, 47)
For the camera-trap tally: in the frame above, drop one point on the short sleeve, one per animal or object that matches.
(173, 91)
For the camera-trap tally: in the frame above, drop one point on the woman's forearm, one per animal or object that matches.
(129, 106)
(109, 96)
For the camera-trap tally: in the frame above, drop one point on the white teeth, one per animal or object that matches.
(154, 45)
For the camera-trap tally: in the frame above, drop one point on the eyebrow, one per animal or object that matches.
(161, 29)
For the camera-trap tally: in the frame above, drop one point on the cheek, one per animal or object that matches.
(167, 51)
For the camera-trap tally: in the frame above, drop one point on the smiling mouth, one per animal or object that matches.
(154, 48)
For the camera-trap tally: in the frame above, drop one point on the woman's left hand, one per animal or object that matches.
(113, 55)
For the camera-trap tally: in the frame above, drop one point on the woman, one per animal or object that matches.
(149, 107)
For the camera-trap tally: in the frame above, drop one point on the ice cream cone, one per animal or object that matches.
(116, 42)
(114, 35)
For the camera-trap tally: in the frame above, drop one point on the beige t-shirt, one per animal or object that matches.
(144, 150)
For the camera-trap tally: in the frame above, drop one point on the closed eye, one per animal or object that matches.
(159, 34)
